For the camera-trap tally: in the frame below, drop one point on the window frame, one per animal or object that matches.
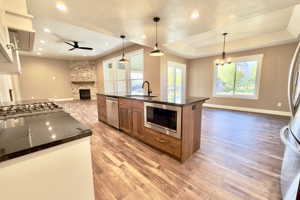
(256, 57)
(115, 61)
(129, 69)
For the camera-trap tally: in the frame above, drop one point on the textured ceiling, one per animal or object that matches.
(250, 23)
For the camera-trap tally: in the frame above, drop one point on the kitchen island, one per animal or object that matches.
(170, 125)
(44, 154)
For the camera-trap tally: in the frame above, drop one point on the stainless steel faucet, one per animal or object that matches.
(149, 90)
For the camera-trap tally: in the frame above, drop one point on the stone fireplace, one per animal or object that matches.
(83, 79)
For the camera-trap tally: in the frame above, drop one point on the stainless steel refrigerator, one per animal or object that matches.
(290, 136)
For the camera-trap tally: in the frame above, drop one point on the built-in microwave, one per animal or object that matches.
(163, 118)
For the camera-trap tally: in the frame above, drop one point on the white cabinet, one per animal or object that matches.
(5, 52)
(15, 27)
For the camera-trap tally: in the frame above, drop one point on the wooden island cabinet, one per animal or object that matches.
(101, 105)
(131, 122)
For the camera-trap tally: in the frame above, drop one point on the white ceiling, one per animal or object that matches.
(251, 24)
(54, 46)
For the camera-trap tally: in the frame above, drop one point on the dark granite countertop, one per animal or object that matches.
(159, 99)
(25, 135)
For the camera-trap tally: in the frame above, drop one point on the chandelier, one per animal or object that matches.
(222, 61)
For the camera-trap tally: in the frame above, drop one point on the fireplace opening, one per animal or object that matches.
(85, 94)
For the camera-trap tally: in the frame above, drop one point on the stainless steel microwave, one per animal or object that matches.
(163, 118)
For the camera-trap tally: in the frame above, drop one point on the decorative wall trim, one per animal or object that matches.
(246, 109)
(65, 99)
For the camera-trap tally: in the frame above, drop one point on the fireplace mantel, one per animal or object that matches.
(83, 82)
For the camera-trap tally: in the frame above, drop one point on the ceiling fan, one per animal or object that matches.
(76, 46)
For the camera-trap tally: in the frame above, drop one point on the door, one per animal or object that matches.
(138, 123)
(125, 115)
(290, 171)
(176, 79)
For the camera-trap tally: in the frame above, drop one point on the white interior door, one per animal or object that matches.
(176, 78)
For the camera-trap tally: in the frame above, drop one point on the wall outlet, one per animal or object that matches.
(279, 104)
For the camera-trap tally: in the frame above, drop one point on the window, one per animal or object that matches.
(176, 80)
(239, 79)
(136, 76)
(124, 78)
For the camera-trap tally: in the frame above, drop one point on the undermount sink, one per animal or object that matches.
(141, 95)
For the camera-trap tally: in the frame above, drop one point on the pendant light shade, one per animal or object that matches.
(222, 61)
(123, 60)
(156, 51)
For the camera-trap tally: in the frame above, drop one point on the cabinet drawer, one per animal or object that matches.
(163, 142)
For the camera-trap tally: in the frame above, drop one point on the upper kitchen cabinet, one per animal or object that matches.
(19, 23)
(16, 34)
(5, 51)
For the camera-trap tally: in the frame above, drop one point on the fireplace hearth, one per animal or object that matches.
(85, 94)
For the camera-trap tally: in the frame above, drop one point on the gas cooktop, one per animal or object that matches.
(21, 110)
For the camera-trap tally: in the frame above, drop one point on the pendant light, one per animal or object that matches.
(123, 60)
(223, 60)
(156, 51)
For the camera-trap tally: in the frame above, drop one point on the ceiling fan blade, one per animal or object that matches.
(85, 48)
(72, 49)
(70, 44)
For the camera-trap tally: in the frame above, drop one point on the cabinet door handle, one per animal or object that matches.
(161, 140)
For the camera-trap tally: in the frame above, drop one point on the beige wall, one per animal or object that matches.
(44, 78)
(273, 85)
(151, 67)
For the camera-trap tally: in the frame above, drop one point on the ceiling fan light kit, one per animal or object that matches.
(123, 60)
(156, 51)
(222, 61)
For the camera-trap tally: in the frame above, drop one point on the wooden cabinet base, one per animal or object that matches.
(131, 120)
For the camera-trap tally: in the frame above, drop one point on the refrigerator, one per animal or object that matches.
(290, 135)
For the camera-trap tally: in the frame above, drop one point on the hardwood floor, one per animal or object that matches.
(239, 158)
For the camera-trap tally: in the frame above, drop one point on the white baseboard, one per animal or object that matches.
(65, 99)
(245, 109)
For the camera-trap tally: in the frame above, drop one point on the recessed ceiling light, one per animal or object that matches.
(61, 6)
(47, 30)
(144, 36)
(42, 41)
(195, 14)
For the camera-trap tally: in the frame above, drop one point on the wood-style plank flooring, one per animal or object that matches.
(239, 158)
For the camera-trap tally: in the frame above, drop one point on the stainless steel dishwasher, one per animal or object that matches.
(112, 109)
